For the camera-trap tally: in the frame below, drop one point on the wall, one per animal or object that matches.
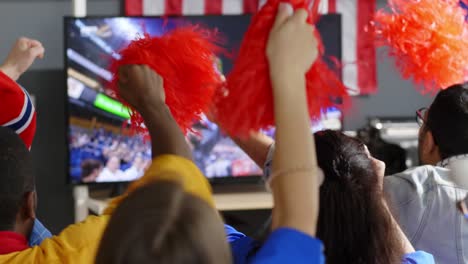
(396, 97)
(42, 19)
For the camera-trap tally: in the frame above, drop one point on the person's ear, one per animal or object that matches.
(28, 210)
(431, 148)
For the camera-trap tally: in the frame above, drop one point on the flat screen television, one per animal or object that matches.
(101, 146)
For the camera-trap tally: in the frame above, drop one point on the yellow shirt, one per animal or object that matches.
(78, 243)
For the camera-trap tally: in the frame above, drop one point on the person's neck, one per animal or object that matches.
(433, 159)
(19, 231)
(24, 228)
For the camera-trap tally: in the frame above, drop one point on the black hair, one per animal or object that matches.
(393, 155)
(354, 223)
(447, 119)
(16, 176)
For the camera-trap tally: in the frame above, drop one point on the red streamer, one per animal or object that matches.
(246, 103)
(185, 58)
(428, 39)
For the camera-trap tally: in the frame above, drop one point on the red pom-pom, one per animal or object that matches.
(428, 39)
(185, 59)
(246, 103)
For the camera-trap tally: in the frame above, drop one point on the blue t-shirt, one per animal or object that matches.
(286, 245)
(418, 257)
(282, 246)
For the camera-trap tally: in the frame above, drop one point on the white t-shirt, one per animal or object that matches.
(425, 202)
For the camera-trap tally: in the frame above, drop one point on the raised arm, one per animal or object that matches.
(256, 146)
(21, 57)
(291, 51)
(143, 89)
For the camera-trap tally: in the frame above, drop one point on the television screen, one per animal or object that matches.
(102, 148)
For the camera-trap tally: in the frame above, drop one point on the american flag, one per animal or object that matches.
(358, 50)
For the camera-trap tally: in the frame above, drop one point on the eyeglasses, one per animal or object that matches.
(420, 116)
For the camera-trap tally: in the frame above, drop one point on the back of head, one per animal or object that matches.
(353, 221)
(160, 223)
(447, 119)
(16, 176)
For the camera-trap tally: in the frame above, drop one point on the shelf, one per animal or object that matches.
(224, 202)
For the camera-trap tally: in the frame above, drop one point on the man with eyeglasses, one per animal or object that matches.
(429, 200)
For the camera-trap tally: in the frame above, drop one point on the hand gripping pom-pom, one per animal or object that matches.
(185, 59)
(246, 103)
(428, 39)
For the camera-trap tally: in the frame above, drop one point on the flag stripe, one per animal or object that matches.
(194, 7)
(233, 7)
(173, 7)
(323, 6)
(134, 7)
(154, 7)
(250, 6)
(332, 6)
(366, 57)
(261, 3)
(358, 51)
(214, 7)
(348, 11)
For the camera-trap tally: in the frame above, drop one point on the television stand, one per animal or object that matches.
(118, 189)
(238, 188)
(233, 200)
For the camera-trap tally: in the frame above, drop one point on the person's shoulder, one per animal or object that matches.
(242, 246)
(77, 241)
(86, 230)
(413, 176)
(287, 245)
(410, 185)
(418, 257)
(232, 234)
(80, 237)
